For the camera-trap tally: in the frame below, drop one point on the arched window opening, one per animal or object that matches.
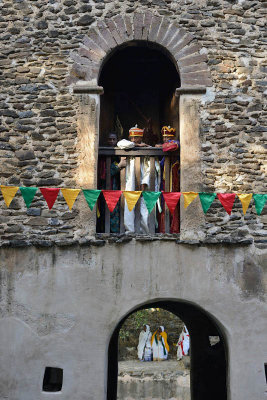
(139, 84)
(207, 364)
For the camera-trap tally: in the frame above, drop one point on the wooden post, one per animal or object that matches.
(137, 172)
(122, 200)
(152, 215)
(167, 189)
(108, 187)
(87, 148)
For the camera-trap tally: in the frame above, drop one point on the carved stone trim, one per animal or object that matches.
(109, 34)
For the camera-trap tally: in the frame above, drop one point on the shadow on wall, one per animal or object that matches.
(208, 374)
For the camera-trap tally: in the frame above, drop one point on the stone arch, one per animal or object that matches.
(121, 30)
(209, 366)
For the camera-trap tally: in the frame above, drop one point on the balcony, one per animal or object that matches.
(109, 154)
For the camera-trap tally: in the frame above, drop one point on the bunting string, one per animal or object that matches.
(112, 197)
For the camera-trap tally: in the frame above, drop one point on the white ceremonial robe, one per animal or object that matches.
(183, 344)
(158, 350)
(144, 344)
(129, 216)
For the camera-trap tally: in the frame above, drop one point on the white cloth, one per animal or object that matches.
(125, 144)
(158, 349)
(144, 345)
(129, 216)
(183, 344)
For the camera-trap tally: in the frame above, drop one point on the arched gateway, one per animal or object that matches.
(208, 363)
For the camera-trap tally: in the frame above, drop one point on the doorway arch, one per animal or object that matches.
(108, 34)
(209, 364)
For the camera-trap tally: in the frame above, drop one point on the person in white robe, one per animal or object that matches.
(160, 345)
(144, 348)
(183, 344)
(136, 136)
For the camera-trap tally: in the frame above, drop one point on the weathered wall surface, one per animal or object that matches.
(38, 134)
(59, 308)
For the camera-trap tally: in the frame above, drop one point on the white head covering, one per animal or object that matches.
(162, 328)
(147, 328)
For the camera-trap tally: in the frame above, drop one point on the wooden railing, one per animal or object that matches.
(138, 153)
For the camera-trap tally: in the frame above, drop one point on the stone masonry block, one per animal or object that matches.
(162, 30)
(89, 54)
(147, 22)
(180, 45)
(97, 38)
(105, 32)
(80, 60)
(176, 39)
(196, 67)
(187, 51)
(93, 46)
(155, 24)
(129, 26)
(196, 80)
(171, 32)
(114, 32)
(192, 60)
(138, 25)
(120, 24)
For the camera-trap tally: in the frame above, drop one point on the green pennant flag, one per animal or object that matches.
(206, 200)
(150, 199)
(91, 197)
(260, 200)
(28, 194)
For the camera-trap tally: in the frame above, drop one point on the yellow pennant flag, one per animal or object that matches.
(245, 200)
(8, 193)
(189, 197)
(131, 198)
(70, 196)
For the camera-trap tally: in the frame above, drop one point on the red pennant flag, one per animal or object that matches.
(50, 195)
(112, 198)
(227, 200)
(171, 199)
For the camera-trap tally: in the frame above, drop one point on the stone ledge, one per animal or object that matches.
(87, 88)
(190, 90)
(100, 241)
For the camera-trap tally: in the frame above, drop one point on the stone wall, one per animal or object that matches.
(38, 133)
(60, 306)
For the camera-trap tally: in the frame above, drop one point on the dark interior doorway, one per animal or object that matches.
(139, 84)
(208, 375)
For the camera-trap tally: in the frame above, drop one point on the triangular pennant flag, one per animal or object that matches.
(245, 200)
(150, 199)
(8, 193)
(112, 198)
(227, 201)
(28, 194)
(70, 195)
(171, 199)
(260, 200)
(91, 197)
(206, 200)
(131, 198)
(189, 197)
(50, 195)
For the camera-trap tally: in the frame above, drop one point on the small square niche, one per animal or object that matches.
(53, 379)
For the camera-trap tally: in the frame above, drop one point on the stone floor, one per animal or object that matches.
(165, 380)
(135, 366)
